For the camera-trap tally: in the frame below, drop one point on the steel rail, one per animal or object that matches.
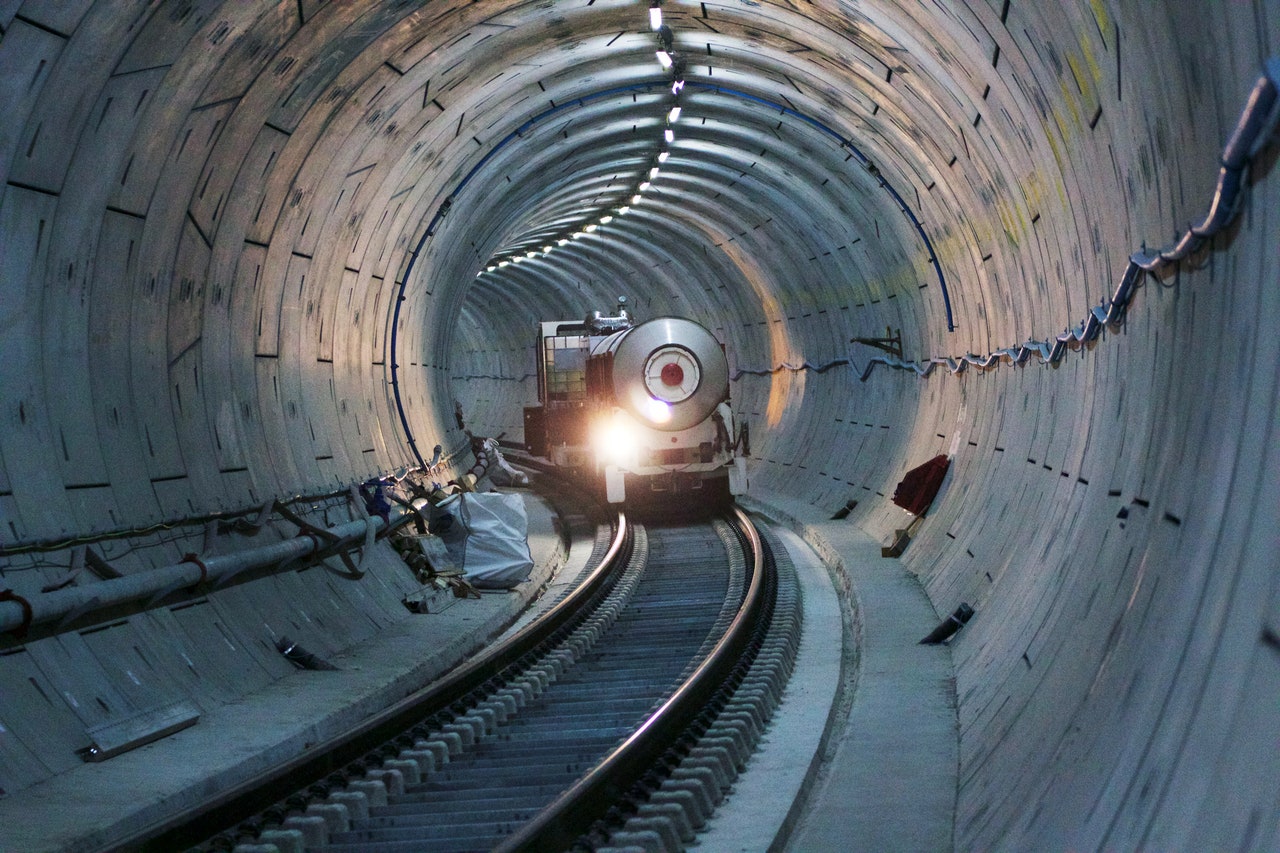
(571, 815)
(241, 802)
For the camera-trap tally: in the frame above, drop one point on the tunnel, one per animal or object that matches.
(257, 251)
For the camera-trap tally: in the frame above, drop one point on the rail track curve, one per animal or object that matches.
(621, 716)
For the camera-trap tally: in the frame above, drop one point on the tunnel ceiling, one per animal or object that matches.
(359, 185)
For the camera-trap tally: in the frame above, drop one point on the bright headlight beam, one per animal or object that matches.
(657, 411)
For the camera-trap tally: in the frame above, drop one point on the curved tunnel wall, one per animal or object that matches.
(209, 208)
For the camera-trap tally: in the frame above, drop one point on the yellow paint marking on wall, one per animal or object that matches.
(784, 383)
(1083, 83)
(1095, 72)
(1100, 15)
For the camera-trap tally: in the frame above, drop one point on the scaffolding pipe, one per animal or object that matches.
(18, 614)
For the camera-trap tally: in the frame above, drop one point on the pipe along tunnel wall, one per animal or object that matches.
(217, 216)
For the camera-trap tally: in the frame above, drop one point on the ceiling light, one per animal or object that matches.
(664, 59)
(674, 115)
(670, 135)
(563, 241)
(644, 187)
(635, 199)
(546, 249)
(662, 158)
(624, 210)
(605, 220)
(653, 173)
(655, 17)
(591, 228)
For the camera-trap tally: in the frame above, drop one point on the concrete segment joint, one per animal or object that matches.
(425, 760)
(702, 776)
(396, 773)
(648, 841)
(314, 829)
(673, 812)
(659, 826)
(356, 802)
(688, 795)
(374, 790)
(285, 840)
(464, 729)
(336, 816)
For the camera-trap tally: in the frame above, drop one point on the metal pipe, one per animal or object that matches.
(192, 571)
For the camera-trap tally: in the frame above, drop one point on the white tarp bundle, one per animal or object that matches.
(487, 535)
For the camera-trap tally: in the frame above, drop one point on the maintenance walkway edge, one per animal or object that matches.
(887, 777)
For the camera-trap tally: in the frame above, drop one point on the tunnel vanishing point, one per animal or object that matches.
(251, 251)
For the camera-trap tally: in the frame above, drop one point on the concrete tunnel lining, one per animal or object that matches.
(209, 209)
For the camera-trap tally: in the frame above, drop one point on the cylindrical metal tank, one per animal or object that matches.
(669, 372)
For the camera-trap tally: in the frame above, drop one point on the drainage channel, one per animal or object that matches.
(629, 723)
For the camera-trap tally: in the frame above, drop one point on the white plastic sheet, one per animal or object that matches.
(488, 536)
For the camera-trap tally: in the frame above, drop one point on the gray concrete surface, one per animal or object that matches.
(885, 777)
(216, 217)
(760, 810)
(95, 805)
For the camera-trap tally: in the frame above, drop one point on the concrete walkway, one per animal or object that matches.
(887, 780)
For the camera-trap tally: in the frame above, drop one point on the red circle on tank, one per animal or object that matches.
(672, 374)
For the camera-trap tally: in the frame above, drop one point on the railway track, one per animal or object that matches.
(622, 715)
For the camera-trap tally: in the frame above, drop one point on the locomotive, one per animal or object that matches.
(641, 408)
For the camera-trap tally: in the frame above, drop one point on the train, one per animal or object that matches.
(641, 410)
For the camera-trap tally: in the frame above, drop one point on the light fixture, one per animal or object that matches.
(624, 210)
(644, 187)
(662, 158)
(591, 227)
(676, 87)
(655, 16)
(504, 264)
(664, 59)
(605, 220)
(546, 249)
(563, 241)
(653, 173)
(669, 135)
(674, 115)
(635, 199)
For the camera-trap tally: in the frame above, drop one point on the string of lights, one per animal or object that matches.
(671, 63)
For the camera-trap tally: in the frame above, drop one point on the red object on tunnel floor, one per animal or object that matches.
(672, 375)
(920, 485)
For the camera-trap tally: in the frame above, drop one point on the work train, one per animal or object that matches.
(642, 409)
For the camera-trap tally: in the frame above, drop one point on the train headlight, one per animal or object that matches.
(657, 411)
(617, 442)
